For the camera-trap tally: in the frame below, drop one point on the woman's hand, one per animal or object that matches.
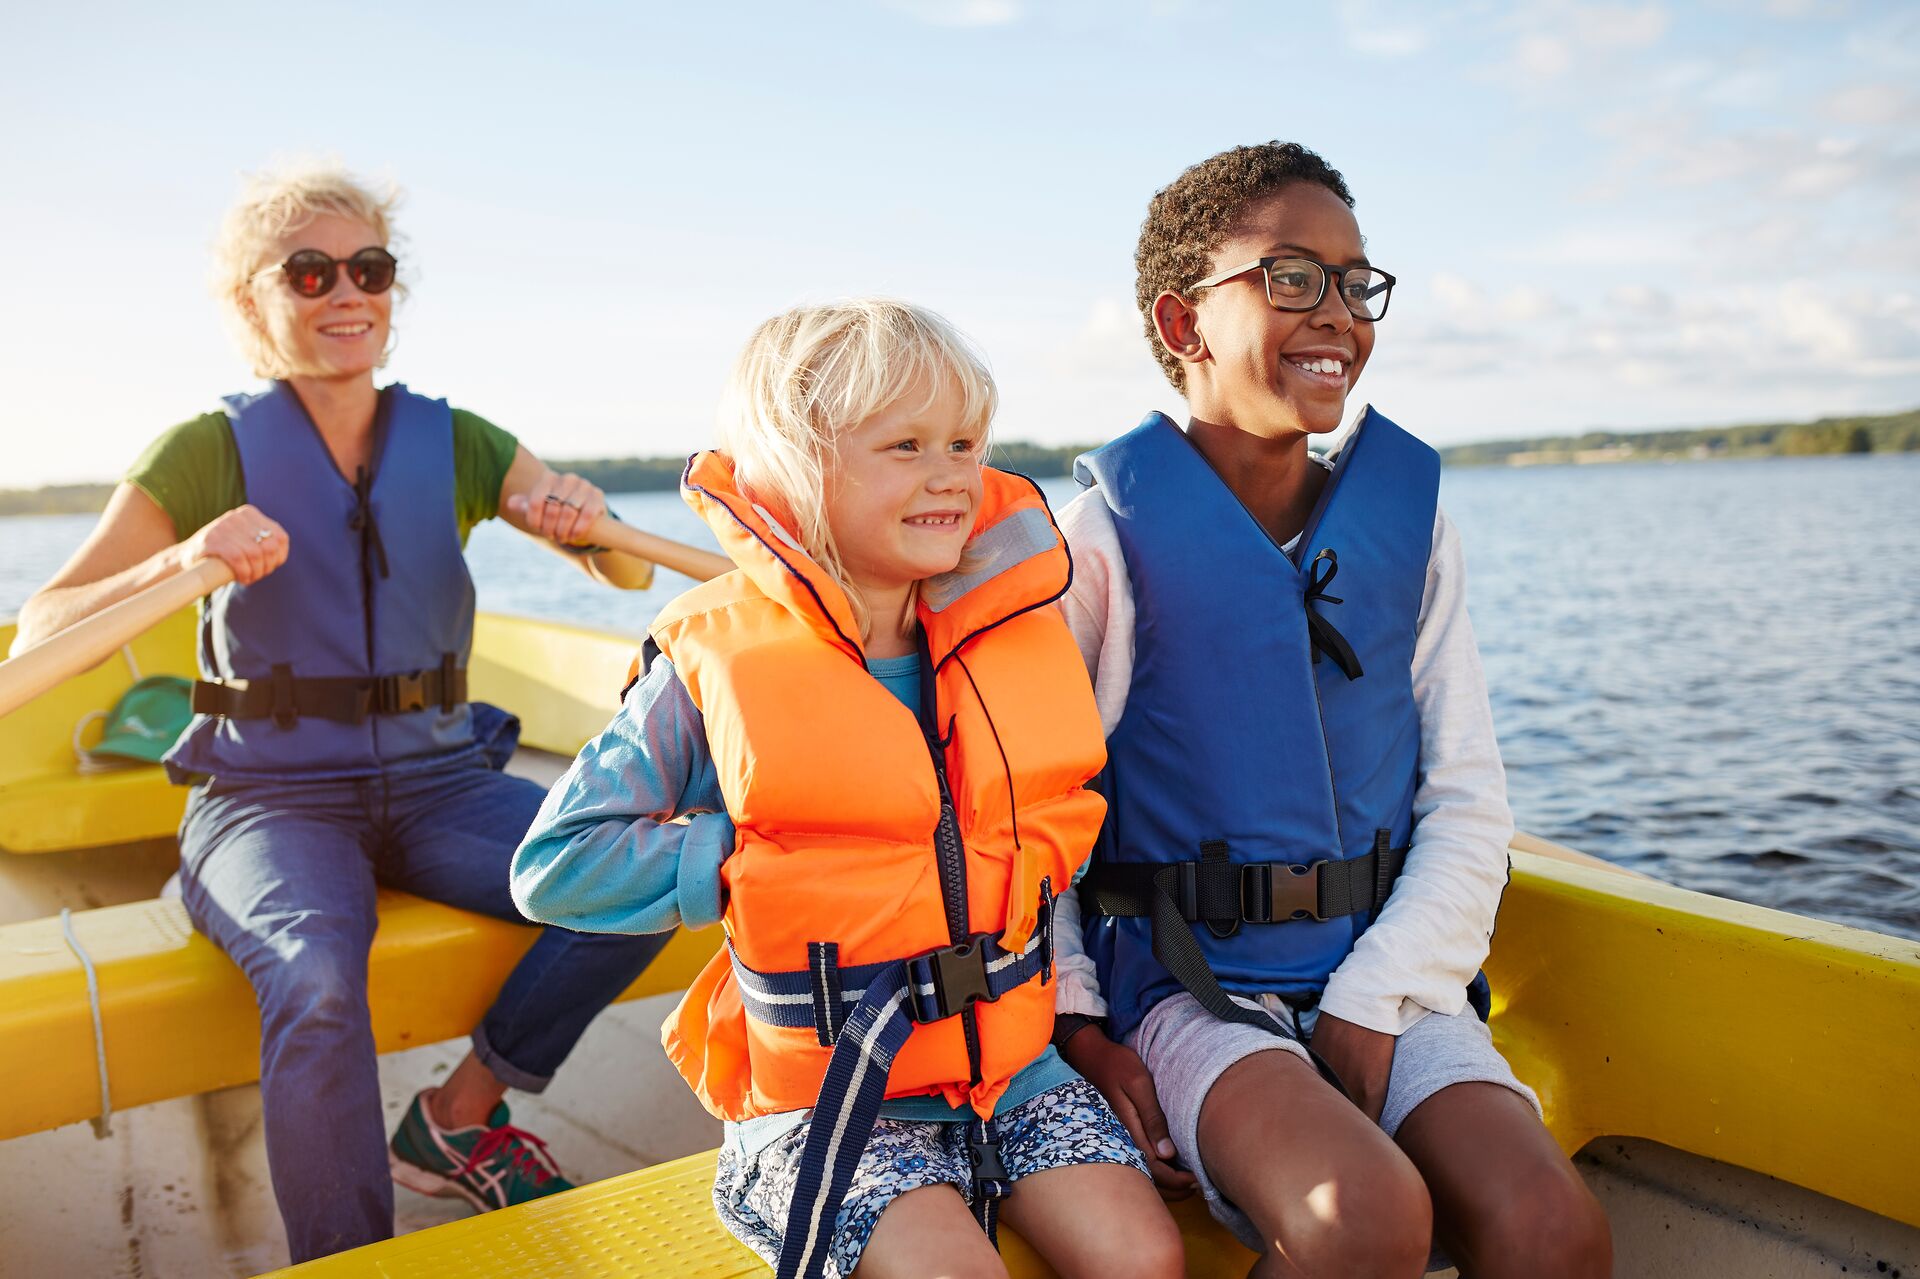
(1362, 1058)
(1122, 1078)
(243, 539)
(559, 506)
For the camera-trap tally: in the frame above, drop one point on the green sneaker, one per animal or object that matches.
(489, 1166)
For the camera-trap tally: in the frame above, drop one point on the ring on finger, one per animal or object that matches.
(263, 535)
(555, 497)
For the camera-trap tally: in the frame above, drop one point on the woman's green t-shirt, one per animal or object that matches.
(192, 472)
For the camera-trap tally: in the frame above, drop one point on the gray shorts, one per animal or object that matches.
(1186, 1049)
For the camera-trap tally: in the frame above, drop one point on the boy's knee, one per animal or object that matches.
(1555, 1227)
(1371, 1220)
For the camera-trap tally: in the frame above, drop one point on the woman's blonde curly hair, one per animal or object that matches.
(272, 203)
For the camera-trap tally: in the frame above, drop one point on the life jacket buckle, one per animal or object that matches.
(984, 1155)
(958, 976)
(397, 694)
(1279, 892)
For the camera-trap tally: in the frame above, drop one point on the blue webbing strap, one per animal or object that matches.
(887, 1000)
(788, 999)
(843, 1118)
(829, 1013)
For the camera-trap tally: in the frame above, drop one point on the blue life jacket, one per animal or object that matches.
(375, 585)
(1239, 744)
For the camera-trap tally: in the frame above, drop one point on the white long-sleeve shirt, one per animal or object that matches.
(1432, 936)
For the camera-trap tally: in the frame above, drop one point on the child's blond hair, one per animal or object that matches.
(813, 373)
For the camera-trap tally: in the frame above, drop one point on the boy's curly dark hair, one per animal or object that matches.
(1190, 216)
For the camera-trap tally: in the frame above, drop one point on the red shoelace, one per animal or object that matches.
(525, 1152)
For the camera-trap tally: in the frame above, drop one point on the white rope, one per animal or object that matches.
(84, 760)
(103, 1123)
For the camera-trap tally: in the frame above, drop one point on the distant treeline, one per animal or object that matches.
(612, 474)
(657, 474)
(55, 499)
(1888, 433)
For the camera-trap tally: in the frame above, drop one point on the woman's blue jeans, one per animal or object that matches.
(281, 877)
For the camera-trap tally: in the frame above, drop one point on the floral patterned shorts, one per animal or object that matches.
(1065, 1125)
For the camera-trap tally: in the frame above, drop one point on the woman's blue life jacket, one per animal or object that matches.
(349, 660)
(1271, 722)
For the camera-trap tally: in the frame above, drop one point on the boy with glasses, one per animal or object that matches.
(1307, 829)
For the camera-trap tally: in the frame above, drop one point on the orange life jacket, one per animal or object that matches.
(834, 795)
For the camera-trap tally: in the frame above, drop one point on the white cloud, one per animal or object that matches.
(1875, 104)
(960, 13)
(1110, 340)
(1552, 42)
(1383, 30)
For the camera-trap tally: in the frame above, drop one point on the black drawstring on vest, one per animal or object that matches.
(1013, 805)
(1325, 638)
(363, 523)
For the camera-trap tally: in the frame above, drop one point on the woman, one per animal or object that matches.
(332, 747)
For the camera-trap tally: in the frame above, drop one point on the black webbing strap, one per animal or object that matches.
(1224, 894)
(284, 697)
(1179, 953)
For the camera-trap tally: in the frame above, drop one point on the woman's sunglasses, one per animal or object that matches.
(312, 274)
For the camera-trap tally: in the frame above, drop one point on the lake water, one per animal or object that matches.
(1708, 672)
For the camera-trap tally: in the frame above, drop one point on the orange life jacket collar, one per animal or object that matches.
(1015, 544)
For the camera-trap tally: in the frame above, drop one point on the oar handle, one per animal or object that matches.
(695, 563)
(92, 640)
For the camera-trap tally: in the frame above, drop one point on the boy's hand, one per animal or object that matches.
(1362, 1058)
(1122, 1078)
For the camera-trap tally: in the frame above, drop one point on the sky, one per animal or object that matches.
(1601, 215)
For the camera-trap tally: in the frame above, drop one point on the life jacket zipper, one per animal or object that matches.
(951, 855)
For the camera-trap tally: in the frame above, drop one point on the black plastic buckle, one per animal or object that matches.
(1186, 890)
(958, 975)
(986, 1161)
(1276, 892)
(402, 693)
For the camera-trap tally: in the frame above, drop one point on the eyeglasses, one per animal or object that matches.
(312, 274)
(1299, 284)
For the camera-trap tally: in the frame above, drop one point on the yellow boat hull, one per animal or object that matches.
(1638, 1010)
(562, 681)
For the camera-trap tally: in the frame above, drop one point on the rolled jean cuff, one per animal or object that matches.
(503, 1070)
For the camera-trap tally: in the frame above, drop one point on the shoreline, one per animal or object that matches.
(1888, 433)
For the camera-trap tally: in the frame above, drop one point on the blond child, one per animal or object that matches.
(866, 752)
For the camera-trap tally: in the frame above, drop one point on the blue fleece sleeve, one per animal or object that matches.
(631, 839)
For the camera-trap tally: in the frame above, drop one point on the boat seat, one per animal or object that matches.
(179, 1018)
(658, 1221)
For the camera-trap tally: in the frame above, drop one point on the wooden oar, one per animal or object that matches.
(92, 640)
(1572, 856)
(695, 563)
